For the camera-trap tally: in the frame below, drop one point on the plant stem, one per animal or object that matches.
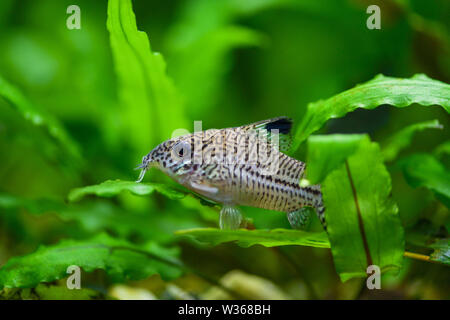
(417, 256)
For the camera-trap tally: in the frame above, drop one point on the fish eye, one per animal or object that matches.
(181, 150)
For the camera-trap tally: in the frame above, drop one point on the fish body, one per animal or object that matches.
(240, 166)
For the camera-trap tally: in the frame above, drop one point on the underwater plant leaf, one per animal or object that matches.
(50, 292)
(111, 188)
(442, 149)
(362, 219)
(96, 216)
(381, 90)
(39, 118)
(150, 106)
(403, 138)
(267, 238)
(441, 251)
(424, 170)
(207, 57)
(121, 261)
(328, 152)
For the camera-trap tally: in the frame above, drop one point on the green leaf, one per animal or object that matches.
(424, 170)
(150, 107)
(362, 220)
(97, 216)
(111, 188)
(328, 152)
(39, 118)
(44, 292)
(267, 238)
(402, 138)
(121, 260)
(442, 149)
(8, 201)
(202, 51)
(441, 251)
(381, 90)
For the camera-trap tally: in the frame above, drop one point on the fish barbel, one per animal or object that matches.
(240, 166)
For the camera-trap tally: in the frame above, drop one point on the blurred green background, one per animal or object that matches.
(232, 62)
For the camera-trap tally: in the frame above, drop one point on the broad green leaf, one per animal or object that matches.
(424, 170)
(381, 90)
(402, 139)
(120, 260)
(362, 220)
(151, 109)
(39, 118)
(268, 238)
(328, 152)
(111, 188)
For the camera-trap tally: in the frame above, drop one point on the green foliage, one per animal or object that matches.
(96, 100)
(442, 251)
(201, 50)
(39, 118)
(120, 260)
(381, 90)
(362, 218)
(111, 188)
(327, 153)
(424, 170)
(266, 238)
(150, 106)
(403, 138)
(52, 292)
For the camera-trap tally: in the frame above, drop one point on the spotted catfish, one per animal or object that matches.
(240, 166)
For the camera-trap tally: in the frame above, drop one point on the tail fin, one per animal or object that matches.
(320, 210)
(318, 204)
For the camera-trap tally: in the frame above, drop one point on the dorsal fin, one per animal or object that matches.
(265, 127)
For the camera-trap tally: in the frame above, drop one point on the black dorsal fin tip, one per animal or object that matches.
(283, 124)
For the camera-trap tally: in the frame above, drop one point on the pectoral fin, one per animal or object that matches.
(202, 187)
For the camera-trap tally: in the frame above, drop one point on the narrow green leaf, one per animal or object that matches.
(120, 260)
(39, 118)
(424, 170)
(362, 220)
(267, 238)
(328, 152)
(112, 188)
(442, 149)
(151, 109)
(381, 90)
(402, 138)
(441, 251)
